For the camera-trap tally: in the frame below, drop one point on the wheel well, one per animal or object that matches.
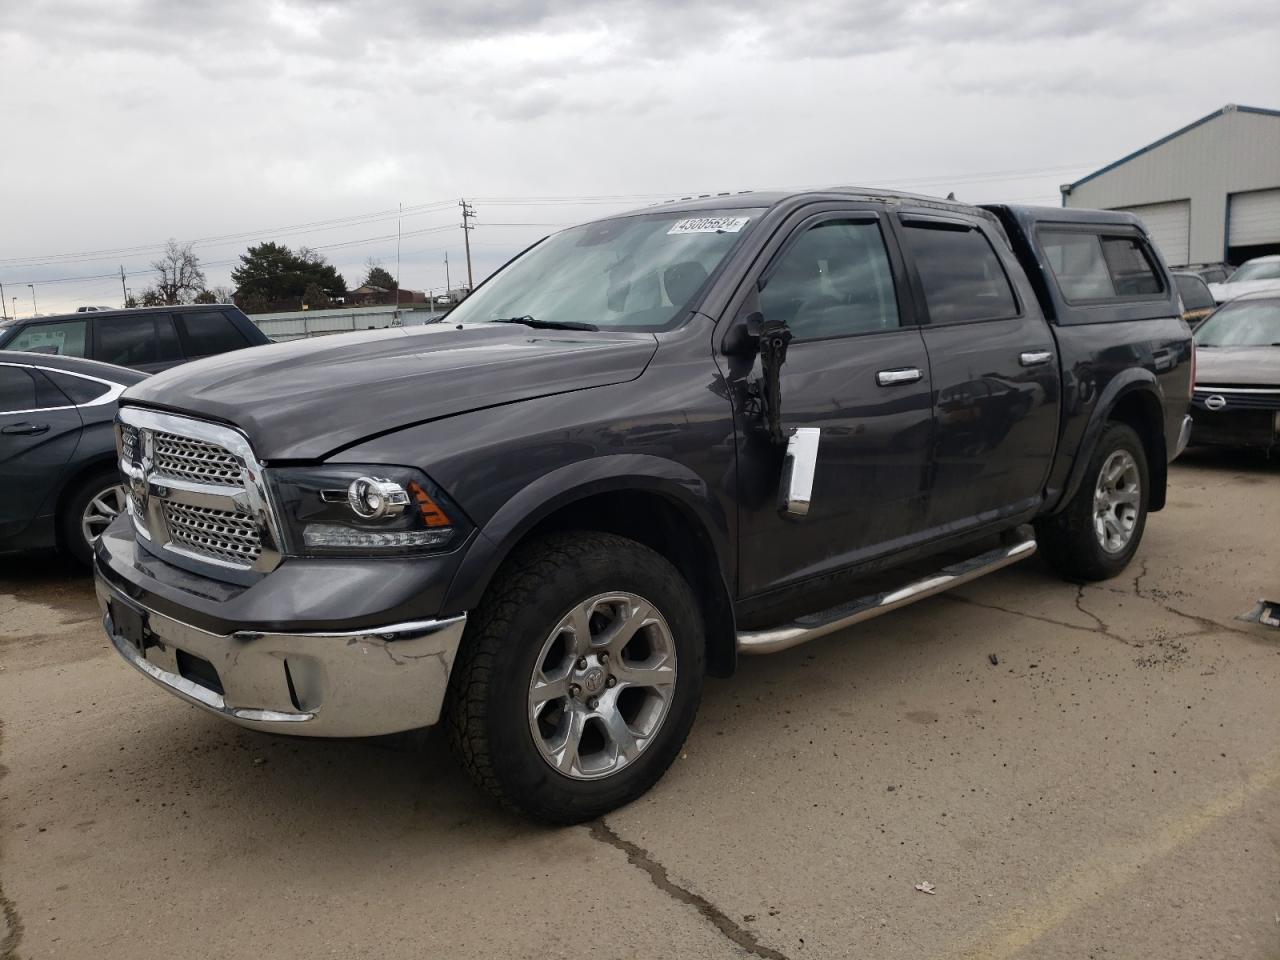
(1141, 410)
(86, 470)
(665, 527)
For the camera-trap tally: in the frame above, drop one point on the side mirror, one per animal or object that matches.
(773, 337)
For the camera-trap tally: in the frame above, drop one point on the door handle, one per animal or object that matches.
(1033, 358)
(889, 378)
(25, 429)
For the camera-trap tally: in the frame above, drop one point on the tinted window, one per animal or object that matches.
(17, 389)
(64, 339)
(125, 340)
(1078, 265)
(961, 275)
(1195, 295)
(1132, 269)
(78, 389)
(167, 339)
(1088, 266)
(207, 333)
(833, 281)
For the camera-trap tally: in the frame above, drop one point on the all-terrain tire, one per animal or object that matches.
(1071, 540)
(488, 708)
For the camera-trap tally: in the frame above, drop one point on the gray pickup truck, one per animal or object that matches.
(647, 445)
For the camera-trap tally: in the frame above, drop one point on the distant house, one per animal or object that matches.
(369, 296)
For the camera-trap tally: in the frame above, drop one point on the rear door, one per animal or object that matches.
(994, 371)
(856, 369)
(39, 430)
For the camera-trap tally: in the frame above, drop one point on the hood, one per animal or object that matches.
(1237, 367)
(305, 399)
(1222, 292)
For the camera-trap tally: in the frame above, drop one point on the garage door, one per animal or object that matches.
(1169, 225)
(1254, 218)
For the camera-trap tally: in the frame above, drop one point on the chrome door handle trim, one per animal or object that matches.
(889, 378)
(1034, 358)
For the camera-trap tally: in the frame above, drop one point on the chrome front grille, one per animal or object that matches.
(227, 536)
(189, 459)
(1229, 398)
(197, 495)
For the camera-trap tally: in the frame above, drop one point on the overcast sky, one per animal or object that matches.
(125, 122)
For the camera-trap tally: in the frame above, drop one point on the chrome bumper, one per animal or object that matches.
(1184, 437)
(356, 684)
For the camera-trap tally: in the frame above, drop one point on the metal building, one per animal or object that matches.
(1207, 193)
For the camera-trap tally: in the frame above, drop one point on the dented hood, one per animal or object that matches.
(309, 398)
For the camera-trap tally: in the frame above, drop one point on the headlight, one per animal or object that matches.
(364, 510)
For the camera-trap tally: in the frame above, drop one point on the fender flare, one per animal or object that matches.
(1124, 384)
(577, 481)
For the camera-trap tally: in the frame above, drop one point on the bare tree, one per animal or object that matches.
(180, 276)
(224, 294)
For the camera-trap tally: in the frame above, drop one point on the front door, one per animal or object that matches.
(39, 430)
(857, 370)
(995, 372)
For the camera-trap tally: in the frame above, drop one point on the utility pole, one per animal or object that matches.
(4, 304)
(468, 214)
(34, 309)
(448, 288)
(123, 288)
(398, 219)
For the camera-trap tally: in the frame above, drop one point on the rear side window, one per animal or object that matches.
(79, 389)
(124, 340)
(961, 275)
(17, 390)
(1091, 267)
(1195, 295)
(1132, 270)
(64, 339)
(167, 345)
(209, 332)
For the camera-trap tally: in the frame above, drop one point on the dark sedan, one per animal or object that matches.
(59, 484)
(1237, 391)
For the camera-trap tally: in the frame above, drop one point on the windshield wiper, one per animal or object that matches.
(547, 324)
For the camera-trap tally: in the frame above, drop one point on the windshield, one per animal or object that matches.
(630, 273)
(1252, 323)
(1268, 270)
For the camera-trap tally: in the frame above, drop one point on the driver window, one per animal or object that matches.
(834, 281)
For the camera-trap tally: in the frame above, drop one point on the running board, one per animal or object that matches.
(814, 625)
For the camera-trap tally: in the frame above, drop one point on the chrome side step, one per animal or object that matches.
(814, 625)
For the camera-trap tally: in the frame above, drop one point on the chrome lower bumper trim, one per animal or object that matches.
(817, 625)
(328, 684)
(1184, 437)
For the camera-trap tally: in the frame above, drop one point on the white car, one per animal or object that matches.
(1252, 276)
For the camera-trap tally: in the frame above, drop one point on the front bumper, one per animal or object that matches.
(1236, 427)
(342, 684)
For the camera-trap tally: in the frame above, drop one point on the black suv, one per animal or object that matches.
(149, 339)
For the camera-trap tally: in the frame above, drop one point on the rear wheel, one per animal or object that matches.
(1096, 535)
(88, 510)
(579, 677)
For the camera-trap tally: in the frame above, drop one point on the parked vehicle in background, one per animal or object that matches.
(1197, 301)
(149, 338)
(1237, 395)
(1210, 272)
(92, 309)
(1253, 276)
(59, 485)
(646, 445)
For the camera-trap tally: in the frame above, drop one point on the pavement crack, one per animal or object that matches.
(1100, 627)
(639, 857)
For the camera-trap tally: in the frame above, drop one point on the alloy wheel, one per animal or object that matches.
(100, 511)
(1116, 501)
(602, 685)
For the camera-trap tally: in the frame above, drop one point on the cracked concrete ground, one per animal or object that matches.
(1110, 789)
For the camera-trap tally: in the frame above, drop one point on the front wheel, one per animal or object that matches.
(579, 677)
(1096, 535)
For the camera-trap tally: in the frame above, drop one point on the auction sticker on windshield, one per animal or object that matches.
(709, 225)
